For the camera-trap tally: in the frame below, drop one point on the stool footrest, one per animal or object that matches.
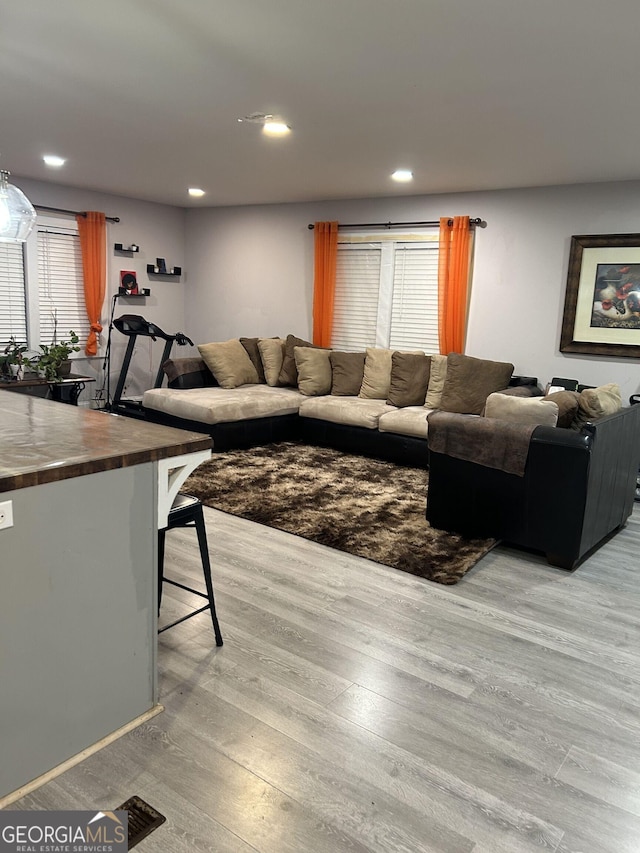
(187, 588)
(184, 618)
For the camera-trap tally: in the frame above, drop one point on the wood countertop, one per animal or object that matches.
(42, 441)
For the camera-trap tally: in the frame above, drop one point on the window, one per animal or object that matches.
(41, 285)
(13, 308)
(61, 306)
(386, 293)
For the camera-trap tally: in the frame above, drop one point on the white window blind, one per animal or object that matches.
(356, 296)
(61, 290)
(414, 313)
(386, 293)
(13, 309)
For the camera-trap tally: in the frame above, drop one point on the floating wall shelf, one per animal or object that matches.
(118, 247)
(122, 293)
(173, 271)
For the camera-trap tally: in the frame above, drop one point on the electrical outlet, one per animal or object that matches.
(6, 514)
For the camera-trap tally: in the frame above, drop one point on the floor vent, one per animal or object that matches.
(143, 819)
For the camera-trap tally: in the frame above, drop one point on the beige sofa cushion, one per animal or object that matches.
(229, 363)
(352, 411)
(437, 377)
(314, 371)
(272, 355)
(522, 410)
(409, 379)
(411, 420)
(219, 405)
(347, 371)
(377, 374)
(596, 403)
(470, 381)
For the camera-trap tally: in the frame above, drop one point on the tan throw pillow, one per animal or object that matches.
(470, 381)
(314, 370)
(377, 374)
(272, 355)
(347, 370)
(288, 371)
(437, 377)
(596, 403)
(567, 403)
(409, 379)
(521, 410)
(251, 346)
(229, 363)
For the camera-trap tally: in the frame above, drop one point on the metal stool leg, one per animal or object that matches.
(161, 535)
(206, 568)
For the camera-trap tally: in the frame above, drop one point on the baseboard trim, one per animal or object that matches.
(80, 757)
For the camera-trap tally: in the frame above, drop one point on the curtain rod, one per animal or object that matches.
(477, 221)
(73, 212)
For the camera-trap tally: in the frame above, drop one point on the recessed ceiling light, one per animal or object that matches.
(54, 160)
(402, 176)
(276, 128)
(196, 192)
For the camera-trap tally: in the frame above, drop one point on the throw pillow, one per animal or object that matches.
(409, 379)
(272, 355)
(347, 370)
(595, 403)
(521, 410)
(251, 346)
(314, 370)
(470, 381)
(377, 374)
(288, 371)
(567, 402)
(437, 377)
(188, 372)
(229, 363)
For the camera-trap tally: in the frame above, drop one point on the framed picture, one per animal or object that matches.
(602, 302)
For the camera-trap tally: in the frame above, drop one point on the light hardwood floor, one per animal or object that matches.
(357, 708)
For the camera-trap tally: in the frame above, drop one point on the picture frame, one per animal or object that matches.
(602, 300)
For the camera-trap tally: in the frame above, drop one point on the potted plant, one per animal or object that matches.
(53, 360)
(14, 362)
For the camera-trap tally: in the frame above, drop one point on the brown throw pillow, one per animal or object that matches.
(409, 379)
(251, 346)
(567, 403)
(347, 370)
(470, 381)
(188, 372)
(289, 371)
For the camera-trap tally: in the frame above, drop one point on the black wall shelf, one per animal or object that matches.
(123, 294)
(174, 272)
(129, 250)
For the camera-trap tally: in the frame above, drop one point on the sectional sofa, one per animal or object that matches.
(252, 391)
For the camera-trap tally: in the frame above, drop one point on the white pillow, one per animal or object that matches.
(521, 410)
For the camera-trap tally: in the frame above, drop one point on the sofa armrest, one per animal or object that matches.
(188, 372)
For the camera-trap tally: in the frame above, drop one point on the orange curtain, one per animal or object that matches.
(93, 232)
(324, 283)
(453, 283)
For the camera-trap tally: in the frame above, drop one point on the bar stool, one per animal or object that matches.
(186, 511)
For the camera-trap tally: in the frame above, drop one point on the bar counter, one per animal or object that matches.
(86, 493)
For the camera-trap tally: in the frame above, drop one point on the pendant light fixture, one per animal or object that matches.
(17, 216)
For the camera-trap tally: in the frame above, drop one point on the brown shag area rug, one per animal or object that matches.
(363, 506)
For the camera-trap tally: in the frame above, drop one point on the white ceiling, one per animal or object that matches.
(143, 96)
